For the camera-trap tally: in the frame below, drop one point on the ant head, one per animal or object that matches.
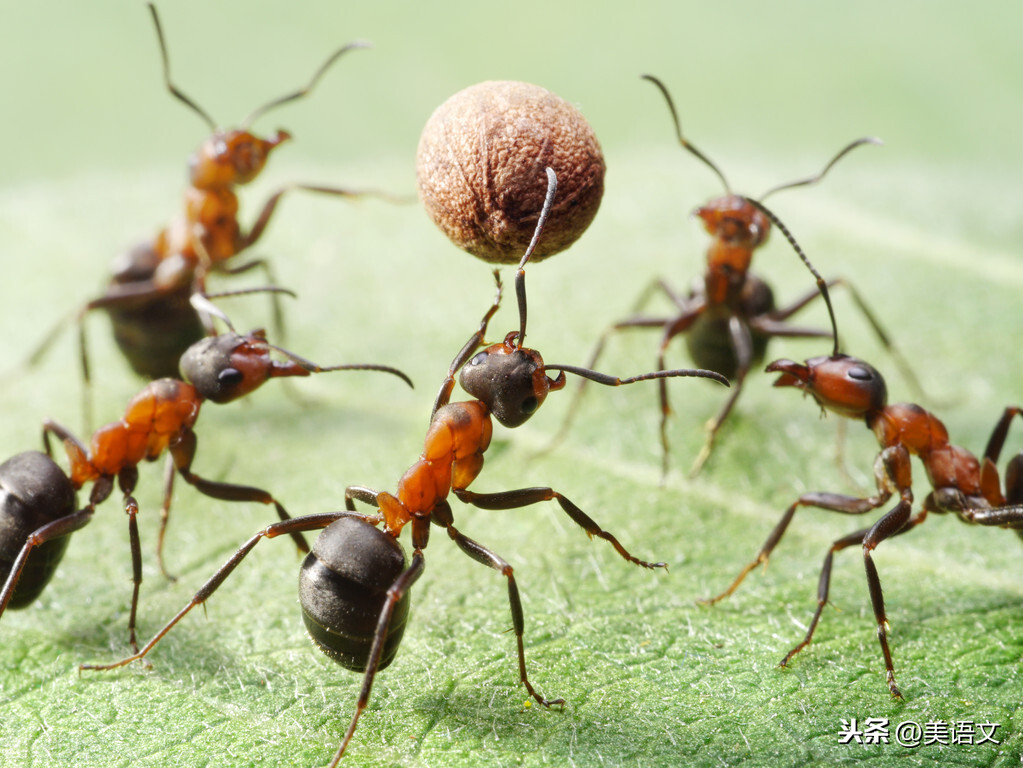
(846, 385)
(235, 157)
(510, 380)
(231, 157)
(735, 221)
(225, 367)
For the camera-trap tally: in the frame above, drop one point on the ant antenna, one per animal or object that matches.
(303, 91)
(166, 75)
(614, 381)
(681, 140)
(822, 286)
(810, 180)
(312, 367)
(520, 276)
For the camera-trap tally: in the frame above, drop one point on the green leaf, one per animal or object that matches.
(927, 227)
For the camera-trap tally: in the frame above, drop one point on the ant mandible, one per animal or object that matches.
(38, 508)
(729, 315)
(147, 297)
(960, 484)
(355, 585)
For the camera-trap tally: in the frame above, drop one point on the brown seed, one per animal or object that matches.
(481, 164)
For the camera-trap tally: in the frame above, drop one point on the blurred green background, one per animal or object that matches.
(93, 159)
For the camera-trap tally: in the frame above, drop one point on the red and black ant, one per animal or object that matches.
(355, 584)
(960, 484)
(729, 314)
(37, 510)
(148, 294)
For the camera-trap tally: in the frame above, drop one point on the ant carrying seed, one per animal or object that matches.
(355, 585)
(147, 298)
(38, 510)
(729, 314)
(960, 484)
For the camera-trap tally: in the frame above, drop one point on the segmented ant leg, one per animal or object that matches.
(996, 442)
(1006, 516)
(671, 329)
(83, 360)
(62, 527)
(832, 502)
(131, 508)
(395, 593)
(183, 452)
(290, 526)
(742, 347)
(660, 285)
(168, 490)
(824, 582)
(366, 495)
(466, 352)
(525, 496)
(893, 523)
(1014, 480)
(270, 206)
(481, 554)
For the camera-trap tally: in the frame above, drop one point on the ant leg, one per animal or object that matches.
(525, 496)
(742, 346)
(392, 513)
(290, 526)
(474, 342)
(832, 502)
(1006, 516)
(824, 583)
(270, 206)
(183, 452)
(131, 508)
(168, 489)
(53, 530)
(481, 554)
(896, 521)
(683, 304)
(395, 593)
(997, 440)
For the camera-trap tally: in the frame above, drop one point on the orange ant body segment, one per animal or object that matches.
(960, 483)
(509, 382)
(730, 314)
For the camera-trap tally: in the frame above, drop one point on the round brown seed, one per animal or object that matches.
(481, 162)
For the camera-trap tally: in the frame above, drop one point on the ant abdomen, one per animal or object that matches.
(710, 340)
(34, 491)
(152, 336)
(343, 587)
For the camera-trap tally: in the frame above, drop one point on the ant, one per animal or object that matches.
(960, 484)
(729, 314)
(355, 585)
(147, 298)
(39, 501)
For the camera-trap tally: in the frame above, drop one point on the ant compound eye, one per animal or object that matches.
(860, 374)
(530, 404)
(479, 359)
(230, 377)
